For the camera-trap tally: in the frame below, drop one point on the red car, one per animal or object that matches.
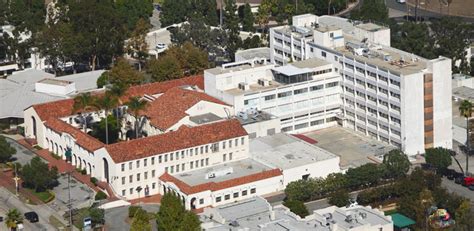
(467, 181)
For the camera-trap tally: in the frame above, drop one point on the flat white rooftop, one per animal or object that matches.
(240, 168)
(285, 151)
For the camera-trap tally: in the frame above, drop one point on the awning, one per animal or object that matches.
(401, 221)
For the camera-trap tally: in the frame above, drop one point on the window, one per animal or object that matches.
(166, 169)
(152, 173)
(159, 159)
(166, 157)
(130, 179)
(315, 88)
(223, 144)
(202, 162)
(123, 192)
(153, 186)
(236, 194)
(145, 175)
(323, 54)
(336, 58)
(144, 162)
(311, 49)
(171, 156)
(202, 149)
(227, 197)
(317, 122)
(224, 157)
(242, 140)
(191, 165)
(284, 94)
(218, 199)
(129, 165)
(236, 142)
(177, 155)
(153, 161)
(177, 168)
(131, 191)
(230, 143)
(123, 180)
(207, 161)
(207, 149)
(182, 154)
(201, 201)
(300, 91)
(300, 126)
(123, 167)
(253, 190)
(215, 147)
(333, 84)
(138, 176)
(244, 193)
(138, 164)
(230, 156)
(270, 97)
(172, 169)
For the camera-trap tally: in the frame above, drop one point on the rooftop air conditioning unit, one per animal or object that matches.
(264, 82)
(244, 86)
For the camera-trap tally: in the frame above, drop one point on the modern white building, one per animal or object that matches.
(388, 94)
(304, 95)
(257, 214)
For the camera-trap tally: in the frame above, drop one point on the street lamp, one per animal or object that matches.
(139, 189)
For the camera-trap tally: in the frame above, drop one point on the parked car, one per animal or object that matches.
(449, 173)
(468, 181)
(454, 175)
(471, 187)
(31, 217)
(459, 180)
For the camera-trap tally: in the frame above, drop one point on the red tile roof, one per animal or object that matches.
(82, 139)
(184, 137)
(215, 186)
(63, 108)
(171, 107)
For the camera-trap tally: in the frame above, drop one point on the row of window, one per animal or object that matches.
(189, 152)
(235, 195)
(372, 74)
(305, 125)
(132, 190)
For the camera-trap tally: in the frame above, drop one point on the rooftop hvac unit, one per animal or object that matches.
(219, 173)
(264, 82)
(243, 115)
(244, 86)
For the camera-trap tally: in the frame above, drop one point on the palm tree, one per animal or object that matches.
(83, 102)
(466, 110)
(13, 217)
(118, 90)
(107, 102)
(135, 105)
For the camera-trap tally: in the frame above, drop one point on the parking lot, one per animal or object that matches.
(81, 195)
(353, 149)
(23, 155)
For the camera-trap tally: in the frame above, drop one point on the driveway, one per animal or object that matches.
(81, 195)
(115, 218)
(23, 155)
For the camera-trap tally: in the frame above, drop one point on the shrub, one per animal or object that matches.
(297, 207)
(83, 171)
(339, 198)
(132, 210)
(94, 181)
(100, 196)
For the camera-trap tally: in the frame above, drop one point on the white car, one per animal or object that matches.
(401, 1)
(160, 46)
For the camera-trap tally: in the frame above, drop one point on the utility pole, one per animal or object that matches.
(220, 11)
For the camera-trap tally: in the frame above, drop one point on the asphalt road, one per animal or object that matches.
(394, 5)
(8, 201)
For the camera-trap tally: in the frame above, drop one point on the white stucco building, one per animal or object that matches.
(388, 94)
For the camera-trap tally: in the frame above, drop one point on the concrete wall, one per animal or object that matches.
(442, 102)
(412, 114)
(315, 169)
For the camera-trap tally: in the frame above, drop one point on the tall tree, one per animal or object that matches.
(192, 60)
(464, 216)
(374, 10)
(122, 73)
(248, 18)
(6, 150)
(13, 218)
(135, 106)
(83, 103)
(452, 37)
(231, 26)
(465, 109)
(134, 10)
(440, 158)
(413, 38)
(140, 221)
(174, 11)
(165, 68)
(136, 45)
(37, 175)
(107, 102)
(396, 163)
(173, 216)
(208, 10)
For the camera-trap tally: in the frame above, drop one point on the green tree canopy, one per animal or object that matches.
(414, 38)
(374, 10)
(123, 73)
(440, 158)
(164, 68)
(173, 216)
(396, 163)
(136, 45)
(140, 221)
(297, 207)
(134, 10)
(6, 150)
(247, 18)
(99, 130)
(13, 218)
(37, 175)
(363, 176)
(96, 215)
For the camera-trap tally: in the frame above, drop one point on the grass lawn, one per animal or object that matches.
(45, 196)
